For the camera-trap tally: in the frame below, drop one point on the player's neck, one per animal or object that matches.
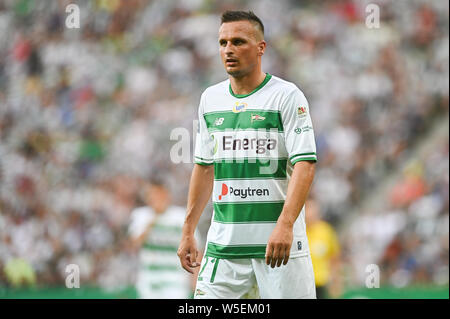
(160, 209)
(246, 84)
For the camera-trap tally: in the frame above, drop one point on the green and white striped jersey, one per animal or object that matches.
(253, 141)
(160, 274)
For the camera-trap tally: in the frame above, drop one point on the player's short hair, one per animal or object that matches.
(231, 16)
(158, 180)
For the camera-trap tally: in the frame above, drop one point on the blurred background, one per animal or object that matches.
(86, 115)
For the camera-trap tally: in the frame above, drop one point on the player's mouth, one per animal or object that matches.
(231, 62)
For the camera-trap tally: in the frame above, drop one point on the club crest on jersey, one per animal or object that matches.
(239, 107)
(256, 117)
(301, 111)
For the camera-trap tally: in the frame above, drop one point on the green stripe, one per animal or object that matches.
(243, 159)
(304, 159)
(162, 267)
(233, 252)
(247, 110)
(247, 212)
(202, 163)
(240, 96)
(249, 170)
(200, 278)
(204, 159)
(214, 270)
(251, 119)
(160, 247)
(301, 154)
(164, 285)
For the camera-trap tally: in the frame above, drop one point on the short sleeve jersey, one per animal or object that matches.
(160, 272)
(253, 141)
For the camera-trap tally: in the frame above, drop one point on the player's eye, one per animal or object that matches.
(223, 43)
(238, 42)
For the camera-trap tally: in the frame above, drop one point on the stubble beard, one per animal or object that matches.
(240, 73)
(237, 74)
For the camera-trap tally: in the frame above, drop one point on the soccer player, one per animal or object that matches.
(255, 153)
(155, 229)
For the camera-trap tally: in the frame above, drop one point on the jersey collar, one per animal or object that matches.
(240, 96)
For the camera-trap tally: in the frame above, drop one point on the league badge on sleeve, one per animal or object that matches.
(301, 111)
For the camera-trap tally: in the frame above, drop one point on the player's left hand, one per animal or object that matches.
(279, 245)
(187, 252)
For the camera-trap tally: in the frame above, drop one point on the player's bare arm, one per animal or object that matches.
(200, 190)
(139, 241)
(280, 241)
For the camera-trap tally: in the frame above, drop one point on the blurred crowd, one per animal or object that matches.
(407, 235)
(86, 116)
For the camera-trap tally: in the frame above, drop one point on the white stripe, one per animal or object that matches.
(151, 257)
(267, 108)
(303, 156)
(247, 190)
(238, 234)
(252, 149)
(146, 277)
(203, 160)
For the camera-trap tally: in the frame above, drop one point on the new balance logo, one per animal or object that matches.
(218, 121)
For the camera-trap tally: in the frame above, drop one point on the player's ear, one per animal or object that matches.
(261, 47)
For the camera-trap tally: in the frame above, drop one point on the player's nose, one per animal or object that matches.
(229, 49)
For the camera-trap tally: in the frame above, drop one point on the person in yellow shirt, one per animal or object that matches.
(325, 252)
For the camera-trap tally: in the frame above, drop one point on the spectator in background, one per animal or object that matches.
(19, 272)
(156, 231)
(325, 252)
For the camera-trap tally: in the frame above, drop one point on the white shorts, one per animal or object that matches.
(163, 285)
(252, 278)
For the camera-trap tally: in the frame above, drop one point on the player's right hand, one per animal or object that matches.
(188, 253)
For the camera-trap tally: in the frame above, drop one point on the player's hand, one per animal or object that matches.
(279, 245)
(187, 252)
